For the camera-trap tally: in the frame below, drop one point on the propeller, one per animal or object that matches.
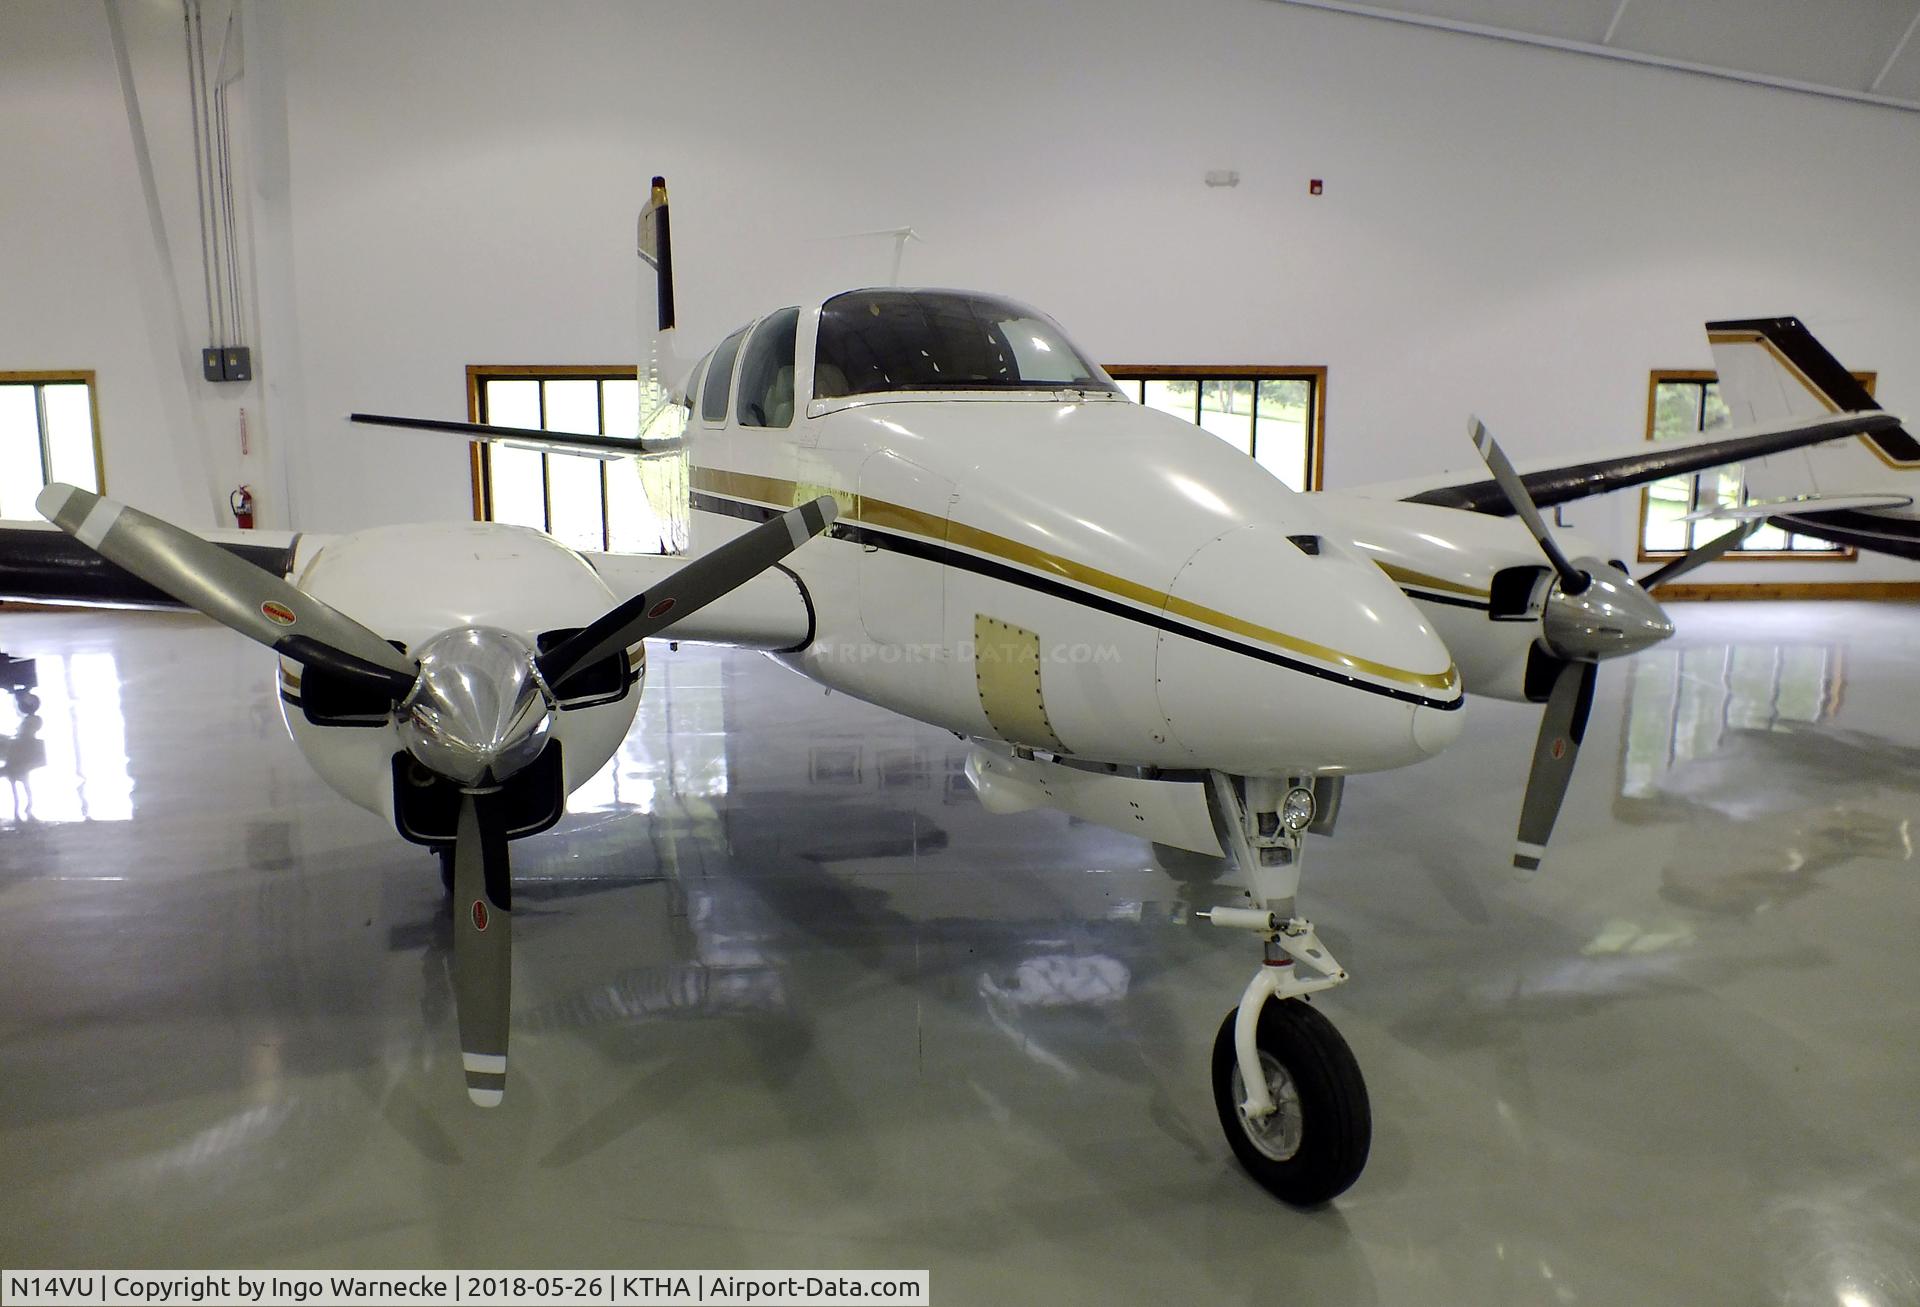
(1706, 553)
(474, 706)
(229, 589)
(1592, 611)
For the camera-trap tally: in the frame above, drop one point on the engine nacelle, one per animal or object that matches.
(410, 583)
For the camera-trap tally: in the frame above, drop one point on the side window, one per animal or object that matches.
(766, 373)
(713, 395)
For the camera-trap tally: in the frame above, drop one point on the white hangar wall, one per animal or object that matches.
(1505, 230)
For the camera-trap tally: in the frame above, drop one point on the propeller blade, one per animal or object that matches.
(1562, 726)
(227, 588)
(1703, 554)
(688, 590)
(482, 946)
(1572, 579)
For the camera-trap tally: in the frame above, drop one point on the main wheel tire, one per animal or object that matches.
(1315, 1144)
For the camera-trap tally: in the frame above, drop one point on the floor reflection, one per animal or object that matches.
(68, 761)
(1738, 744)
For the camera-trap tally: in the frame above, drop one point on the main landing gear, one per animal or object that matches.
(1288, 1090)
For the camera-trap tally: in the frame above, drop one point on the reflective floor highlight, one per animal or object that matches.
(785, 995)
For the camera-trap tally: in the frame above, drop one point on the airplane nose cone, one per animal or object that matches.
(1435, 728)
(1283, 654)
(1611, 617)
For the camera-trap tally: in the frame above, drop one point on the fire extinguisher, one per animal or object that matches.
(241, 502)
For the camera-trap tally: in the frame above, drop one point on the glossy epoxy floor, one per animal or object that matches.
(786, 996)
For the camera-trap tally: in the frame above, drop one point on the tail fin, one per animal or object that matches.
(663, 470)
(1772, 370)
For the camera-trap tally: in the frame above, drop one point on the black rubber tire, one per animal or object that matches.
(27, 702)
(1336, 1119)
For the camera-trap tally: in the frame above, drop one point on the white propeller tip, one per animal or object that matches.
(485, 1097)
(54, 498)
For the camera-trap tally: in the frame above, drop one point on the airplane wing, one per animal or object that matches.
(1645, 461)
(39, 563)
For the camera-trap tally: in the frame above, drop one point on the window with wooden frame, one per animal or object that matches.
(588, 503)
(49, 431)
(1682, 404)
(1276, 416)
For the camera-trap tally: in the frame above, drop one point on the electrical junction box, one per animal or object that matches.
(234, 363)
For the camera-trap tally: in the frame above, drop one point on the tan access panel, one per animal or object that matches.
(1006, 666)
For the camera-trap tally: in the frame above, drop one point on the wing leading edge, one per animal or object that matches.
(1650, 462)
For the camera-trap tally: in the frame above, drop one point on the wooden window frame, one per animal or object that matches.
(480, 452)
(1660, 376)
(66, 376)
(1255, 372)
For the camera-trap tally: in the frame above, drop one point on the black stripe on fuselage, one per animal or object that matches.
(914, 547)
(1457, 601)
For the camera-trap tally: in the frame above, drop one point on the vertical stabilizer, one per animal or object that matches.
(1773, 370)
(663, 418)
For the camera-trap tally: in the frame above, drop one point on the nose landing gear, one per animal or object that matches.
(1288, 1090)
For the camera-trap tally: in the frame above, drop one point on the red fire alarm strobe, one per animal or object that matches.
(1313, 187)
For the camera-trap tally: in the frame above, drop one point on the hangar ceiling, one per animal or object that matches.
(1854, 49)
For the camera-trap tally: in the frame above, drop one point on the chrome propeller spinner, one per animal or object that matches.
(1606, 618)
(479, 710)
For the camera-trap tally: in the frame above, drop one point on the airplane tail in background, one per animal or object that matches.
(664, 469)
(1771, 370)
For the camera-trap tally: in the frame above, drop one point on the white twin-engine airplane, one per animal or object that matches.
(988, 499)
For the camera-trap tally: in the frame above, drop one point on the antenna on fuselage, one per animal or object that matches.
(900, 235)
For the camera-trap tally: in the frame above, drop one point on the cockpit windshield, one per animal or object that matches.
(873, 341)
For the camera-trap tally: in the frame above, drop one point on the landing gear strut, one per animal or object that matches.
(1289, 1093)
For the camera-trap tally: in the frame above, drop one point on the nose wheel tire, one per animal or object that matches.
(1315, 1143)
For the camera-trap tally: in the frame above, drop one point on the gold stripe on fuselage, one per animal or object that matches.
(1407, 576)
(881, 513)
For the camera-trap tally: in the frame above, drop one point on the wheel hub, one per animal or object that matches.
(1277, 1135)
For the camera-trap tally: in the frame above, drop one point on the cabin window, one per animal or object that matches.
(713, 394)
(1274, 415)
(766, 372)
(876, 341)
(588, 503)
(48, 432)
(1681, 405)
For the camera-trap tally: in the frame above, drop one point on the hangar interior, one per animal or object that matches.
(787, 994)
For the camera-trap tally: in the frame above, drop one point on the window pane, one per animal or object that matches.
(1280, 430)
(517, 494)
(573, 489)
(1175, 397)
(1226, 409)
(20, 475)
(1717, 414)
(1676, 409)
(574, 406)
(1667, 502)
(713, 394)
(70, 434)
(512, 403)
(766, 373)
(620, 408)
(1767, 537)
